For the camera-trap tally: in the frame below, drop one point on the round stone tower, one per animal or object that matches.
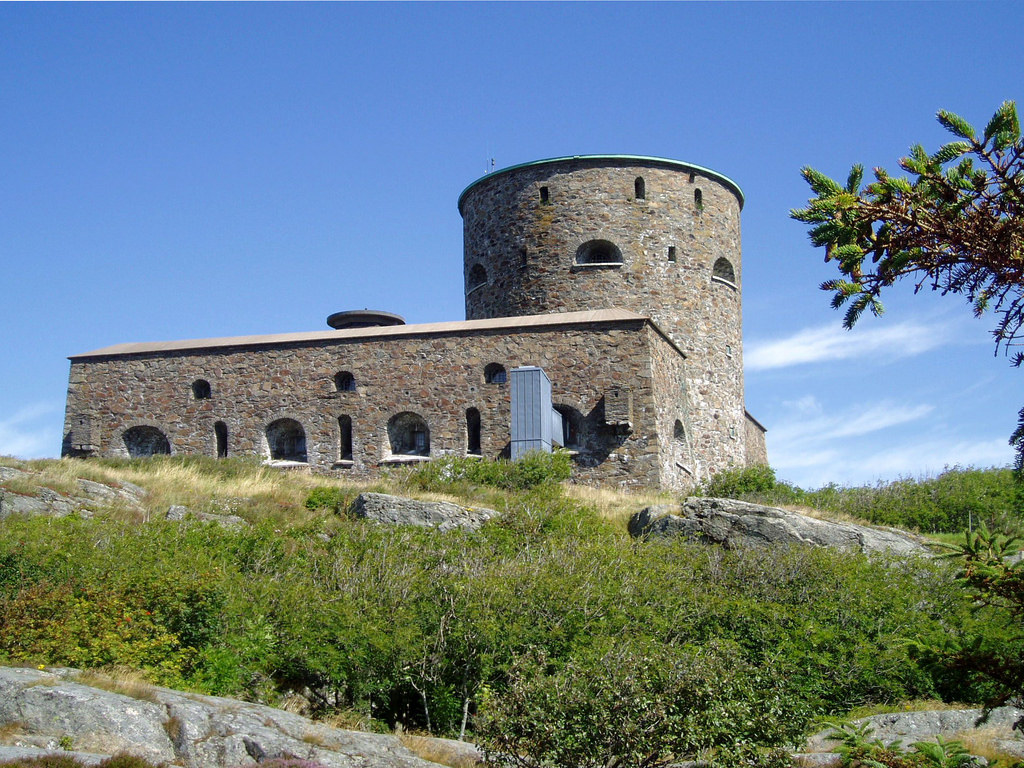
(655, 236)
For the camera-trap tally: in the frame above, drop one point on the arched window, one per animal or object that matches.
(494, 373)
(409, 435)
(598, 252)
(698, 200)
(477, 277)
(678, 433)
(286, 440)
(473, 431)
(220, 432)
(671, 253)
(344, 381)
(141, 442)
(723, 270)
(639, 188)
(572, 420)
(544, 199)
(345, 438)
(201, 389)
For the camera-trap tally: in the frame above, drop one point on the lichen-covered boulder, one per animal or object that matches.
(399, 510)
(49, 709)
(737, 524)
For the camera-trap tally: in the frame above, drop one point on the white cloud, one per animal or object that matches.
(811, 445)
(931, 457)
(809, 424)
(913, 457)
(29, 432)
(831, 342)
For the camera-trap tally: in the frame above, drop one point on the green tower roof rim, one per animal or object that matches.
(644, 158)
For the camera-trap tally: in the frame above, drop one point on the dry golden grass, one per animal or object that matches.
(985, 742)
(349, 720)
(618, 506)
(126, 682)
(29, 485)
(314, 739)
(831, 516)
(12, 730)
(456, 754)
(245, 488)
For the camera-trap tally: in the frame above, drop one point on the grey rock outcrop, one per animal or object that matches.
(737, 524)
(89, 497)
(398, 510)
(39, 708)
(908, 727)
(179, 513)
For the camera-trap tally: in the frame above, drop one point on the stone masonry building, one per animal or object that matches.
(618, 275)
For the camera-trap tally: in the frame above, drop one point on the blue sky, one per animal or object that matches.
(175, 171)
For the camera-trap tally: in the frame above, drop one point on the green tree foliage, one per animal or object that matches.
(635, 703)
(955, 226)
(992, 572)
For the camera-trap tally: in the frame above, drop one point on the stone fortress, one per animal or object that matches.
(619, 276)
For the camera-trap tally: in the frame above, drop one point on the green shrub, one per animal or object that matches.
(414, 625)
(635, 703)
(956, 500)
(126, 760)
(857, 748)
(530, 471)
(740, 482)
(327, 497)
(58, 624)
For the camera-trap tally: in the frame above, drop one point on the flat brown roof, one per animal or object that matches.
(462, 326)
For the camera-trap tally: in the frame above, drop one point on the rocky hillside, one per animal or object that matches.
(457, 599)
(55, 709)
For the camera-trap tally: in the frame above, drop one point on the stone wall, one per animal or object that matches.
(757, 445)
(435, 374)
(526, 229)
(619, 276)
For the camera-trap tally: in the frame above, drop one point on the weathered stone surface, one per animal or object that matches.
(644, 351)
(438, 375)
(96, 496)
(529, 247)
(46, 501)
(95, 720)
(742, 524)
(909, 727)
(398, 510)
(39, 708)
(180, 512)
